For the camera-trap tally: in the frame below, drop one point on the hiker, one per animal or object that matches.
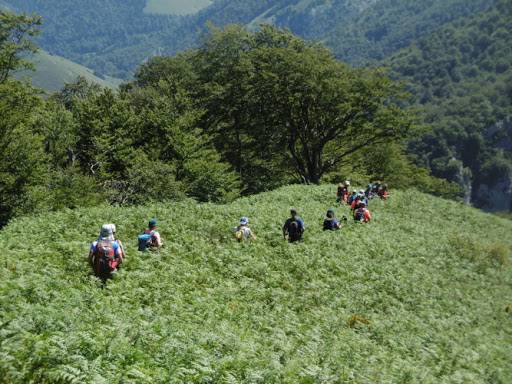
(151, 238)
(330, 222)
(114, 234)
(243, 232)
(376, 187)
(352, 197)
(362, 214)
(294, 227)
(369, 191)
(360, 197)
(106, 254)
(342, 192)
(384, 192)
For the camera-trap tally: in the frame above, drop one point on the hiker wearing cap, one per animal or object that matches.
(362, 214)
(243, 232)
(330, 221)
(360, 197)
(342, 192)
(106, 254)
(383, 192)
(114, 235)
(151, 238)
(294, 227)
(352, 197)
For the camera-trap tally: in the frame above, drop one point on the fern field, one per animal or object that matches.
(423, 294)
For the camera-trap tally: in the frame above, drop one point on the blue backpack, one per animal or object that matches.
(145, 241)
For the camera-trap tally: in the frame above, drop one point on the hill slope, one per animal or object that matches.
(53, 72)
(462, 77)
(113, 37)
(419, 295)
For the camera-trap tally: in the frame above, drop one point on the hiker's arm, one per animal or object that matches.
(123, 253)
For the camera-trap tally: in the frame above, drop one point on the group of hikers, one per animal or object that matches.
(294, 227)
(107, 252)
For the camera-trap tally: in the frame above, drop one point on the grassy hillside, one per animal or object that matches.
(422, 294)
(176, 7)
(53, 72)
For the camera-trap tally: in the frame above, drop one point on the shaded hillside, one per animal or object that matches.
(462, 76)
(113, 37)
(419, 293)
(391, 25)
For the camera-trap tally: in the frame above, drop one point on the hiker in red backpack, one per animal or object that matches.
(106, 254)
(362, 214)
(342, 192)
(151, 238)
(114, 233)
(360, 197)
(383, 192)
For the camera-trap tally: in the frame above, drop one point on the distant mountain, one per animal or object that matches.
(53, 72)
(114, 36)
(461, 76)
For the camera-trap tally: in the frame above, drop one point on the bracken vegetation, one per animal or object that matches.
(422, 294)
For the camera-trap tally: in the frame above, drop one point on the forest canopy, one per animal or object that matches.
(243, 113)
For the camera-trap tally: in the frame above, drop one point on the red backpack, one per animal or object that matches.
(103, 260)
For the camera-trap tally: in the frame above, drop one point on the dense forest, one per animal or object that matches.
(244, 113)
(250, 109)
(461, 76)
(113, 37)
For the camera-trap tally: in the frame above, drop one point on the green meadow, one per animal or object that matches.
(422, 294)
(176, 7)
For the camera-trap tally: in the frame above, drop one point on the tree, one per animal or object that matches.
(23, 166)
(15, 34)
(293, 100)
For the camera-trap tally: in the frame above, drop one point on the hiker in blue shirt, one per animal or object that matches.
(330, 222)
(294, 227)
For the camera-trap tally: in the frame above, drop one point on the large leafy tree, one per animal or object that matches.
(273, 94)
(22, 158)
(16, 32)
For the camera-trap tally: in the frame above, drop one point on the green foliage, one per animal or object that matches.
(420, 292)
(460, 77)
(16, 32)
(22, 157)
(390, 25)
(115, 37)
(272, 98)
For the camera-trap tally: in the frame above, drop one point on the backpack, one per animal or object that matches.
(104, 259)
(242, 233)
(330, 225)
(145, 241)
(359, 214)
(294, 231)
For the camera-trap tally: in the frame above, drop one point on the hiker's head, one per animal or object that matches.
(244, 221)
(152, 223)
(106, 231)
(362, 204)
(330, 213)
(112, 226)
(354, 192)
(293, 212)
